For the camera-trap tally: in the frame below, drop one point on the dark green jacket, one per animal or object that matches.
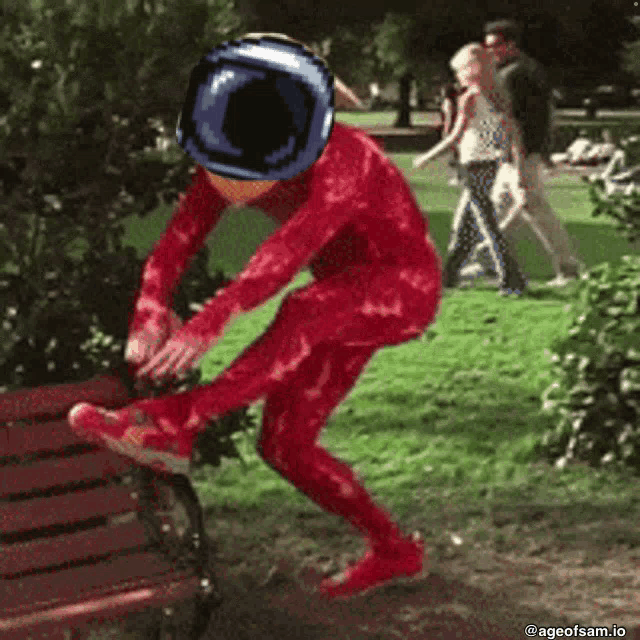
(526, 82)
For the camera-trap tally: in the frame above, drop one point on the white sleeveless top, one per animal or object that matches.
(485, 137)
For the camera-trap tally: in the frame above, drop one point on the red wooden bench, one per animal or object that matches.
(87, 536)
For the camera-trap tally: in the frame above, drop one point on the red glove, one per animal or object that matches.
(148, 333)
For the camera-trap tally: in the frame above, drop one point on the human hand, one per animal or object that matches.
(420, 161)
(147, 337)
(180, 353)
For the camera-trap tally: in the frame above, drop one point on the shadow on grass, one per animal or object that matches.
(534, 291)
(475, 404)
(605, 527)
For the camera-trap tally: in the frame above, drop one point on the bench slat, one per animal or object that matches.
(34, 437)
(120, 573)
(57, 400)
(52, 577)
(53, 472)
(53, 621)
(75, 506)
(58, 550)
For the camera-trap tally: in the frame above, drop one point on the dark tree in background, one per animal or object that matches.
(578, 41)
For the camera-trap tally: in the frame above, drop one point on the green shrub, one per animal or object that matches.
(623, 208)
(86, 88)
(595, 398)
(75, 326)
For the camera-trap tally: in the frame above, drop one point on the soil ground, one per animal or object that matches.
(541, 568)
(476, 593)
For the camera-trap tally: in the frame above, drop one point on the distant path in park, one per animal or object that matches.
(422, 120)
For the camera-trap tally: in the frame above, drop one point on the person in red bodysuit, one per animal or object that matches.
(352, 218)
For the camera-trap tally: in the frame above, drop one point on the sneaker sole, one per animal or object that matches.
(162, 462)
(157, 460)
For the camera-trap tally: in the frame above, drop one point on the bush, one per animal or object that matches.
(86, 89)
(76, 327)
(595, 398)
(624, 208)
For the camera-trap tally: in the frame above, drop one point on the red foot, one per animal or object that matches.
(133, 434)
(405, 563)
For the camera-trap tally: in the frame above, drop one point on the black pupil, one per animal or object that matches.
(258, 120)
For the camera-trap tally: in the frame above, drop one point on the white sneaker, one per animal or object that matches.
(472, 270)
(454, 182)
(559, 281)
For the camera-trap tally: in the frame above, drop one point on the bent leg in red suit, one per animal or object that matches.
(304, 364)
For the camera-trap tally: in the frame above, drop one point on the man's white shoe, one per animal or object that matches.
(559, 281)
(472, 270)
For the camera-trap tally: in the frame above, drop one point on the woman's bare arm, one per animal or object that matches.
(465, 112)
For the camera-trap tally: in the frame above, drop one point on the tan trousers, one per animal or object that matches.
(558, 244)
(563, 252)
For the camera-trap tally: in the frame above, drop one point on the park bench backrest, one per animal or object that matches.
(68, 525)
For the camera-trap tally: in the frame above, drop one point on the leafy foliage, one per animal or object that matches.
(624, 208)
(86, 90)
(631, 58)
(595, 398)
(347, 45)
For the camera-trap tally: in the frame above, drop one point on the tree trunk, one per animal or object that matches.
(404, 108)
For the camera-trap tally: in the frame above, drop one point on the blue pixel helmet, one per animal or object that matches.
(257, 108)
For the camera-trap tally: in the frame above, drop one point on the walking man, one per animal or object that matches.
(531, 96)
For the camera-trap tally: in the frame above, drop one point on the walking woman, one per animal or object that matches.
(485, 135)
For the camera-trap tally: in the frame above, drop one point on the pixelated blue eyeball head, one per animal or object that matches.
(257, 109)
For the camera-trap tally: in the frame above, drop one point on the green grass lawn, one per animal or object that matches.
(439, 425)
(421, 118)
(239, 234)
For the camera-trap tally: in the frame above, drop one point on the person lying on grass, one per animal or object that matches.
(602, 152)
(258, 120)
(576, 152)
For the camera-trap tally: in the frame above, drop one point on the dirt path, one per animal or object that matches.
(472, 594)
(546, 571)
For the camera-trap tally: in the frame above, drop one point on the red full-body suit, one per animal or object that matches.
(377, 282)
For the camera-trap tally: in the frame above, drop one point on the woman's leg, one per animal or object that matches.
(481, 178)
(462, 240)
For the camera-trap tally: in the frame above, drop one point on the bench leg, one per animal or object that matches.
(167, 627)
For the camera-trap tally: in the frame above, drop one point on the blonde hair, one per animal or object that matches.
(471, 52)
(475, 52)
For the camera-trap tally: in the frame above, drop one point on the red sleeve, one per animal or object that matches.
(336, 182)
(394, 193)
(197, 213)
(275, 263)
